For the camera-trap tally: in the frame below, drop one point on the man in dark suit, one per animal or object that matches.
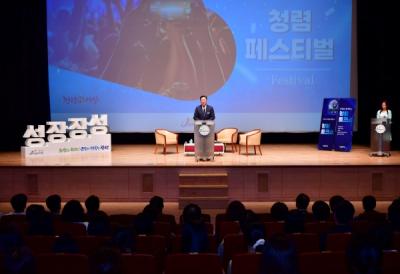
(204, 111)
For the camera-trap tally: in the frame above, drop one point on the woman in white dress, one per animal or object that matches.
(384, 112)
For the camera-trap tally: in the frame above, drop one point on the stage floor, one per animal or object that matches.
(273, 155)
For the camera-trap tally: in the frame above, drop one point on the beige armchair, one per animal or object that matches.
(251, 138)
(165, 138)
(228, 136)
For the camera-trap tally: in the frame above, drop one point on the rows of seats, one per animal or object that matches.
(309, 263)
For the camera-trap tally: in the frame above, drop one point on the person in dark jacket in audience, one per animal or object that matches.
(297, 217)
(279, 211)
(106, 261)
(334, 201)
(344, 215)
(144, 221)
(364, 255)
(321, 211)
(16, 256)
(194, 231)
(279, 256)
(370, 214)
(73, 212)
(98, 223)
(39, 221)
(18, 203)
(53, 203)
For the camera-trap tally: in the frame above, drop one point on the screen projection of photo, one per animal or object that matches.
(262, 63)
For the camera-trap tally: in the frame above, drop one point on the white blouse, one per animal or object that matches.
(384, 114)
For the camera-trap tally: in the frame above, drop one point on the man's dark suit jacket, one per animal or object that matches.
(199, 114)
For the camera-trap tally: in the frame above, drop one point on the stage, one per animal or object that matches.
(133, 173)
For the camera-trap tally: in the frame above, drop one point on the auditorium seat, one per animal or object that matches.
(318, 227)
(193, 264)
(306, 242)
(391, 263)
(155, 245)
(62, 264)
(247, 263)
(233, 244)
(40, 244)
(72, 229)
(206, 218)
(152, 244)
(337, 241)
(396, 241)
(162, 229)
(16, 219)
(226, 228)
(264, 217)
(168, 218)
(272, 228)
(176, 244)
(210, 228)
(138, 264)
(122, 219)
(89, 244)
(322, 262)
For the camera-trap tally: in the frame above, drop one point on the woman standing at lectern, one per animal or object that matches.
(384, 112)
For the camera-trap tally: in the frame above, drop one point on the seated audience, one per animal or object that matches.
(53, 203)
(194, 230)
(279, 211)
(370, 214)
(39, 221)
(279, 256)
(18, 204)
(321, 211)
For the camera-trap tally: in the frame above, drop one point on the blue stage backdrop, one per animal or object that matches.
(263, 64)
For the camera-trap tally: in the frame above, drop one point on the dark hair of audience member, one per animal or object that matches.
(321, 211)
(73, 212)
(302, 201)
(53, 203)
(344, 213)
(279, 211)
(106, 261)
(157, 203)
(236, 211)
(18, 202)
(92, 204)
(369, 203)
(334, 201)
(39, 221)
(99, 224)
(364, 255)
(194, 230)
(144, 221)
(279, 256)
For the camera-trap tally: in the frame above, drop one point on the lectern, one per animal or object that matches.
(204, 139)
(380, 137)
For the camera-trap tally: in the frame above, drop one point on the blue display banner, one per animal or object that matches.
(336, 130)
(344, 125)
(327, 130)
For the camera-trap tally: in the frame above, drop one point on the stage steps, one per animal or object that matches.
(208, 190)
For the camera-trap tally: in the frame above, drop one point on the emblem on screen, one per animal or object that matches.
(333, 106)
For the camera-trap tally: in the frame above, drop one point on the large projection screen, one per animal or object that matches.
(264, 64)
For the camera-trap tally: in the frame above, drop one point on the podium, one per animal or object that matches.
(380, 137)
(204, 139)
